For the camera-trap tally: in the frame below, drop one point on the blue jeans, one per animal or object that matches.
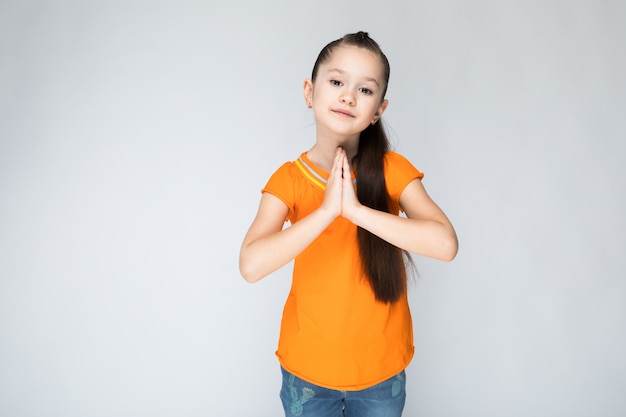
(303, 399)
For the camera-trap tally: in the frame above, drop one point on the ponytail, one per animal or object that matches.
(383, 263)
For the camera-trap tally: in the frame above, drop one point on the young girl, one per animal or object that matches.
(346, 333)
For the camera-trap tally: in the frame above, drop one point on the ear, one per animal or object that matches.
(308, 92)
(381, 108)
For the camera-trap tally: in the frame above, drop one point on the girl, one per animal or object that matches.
(346, 333)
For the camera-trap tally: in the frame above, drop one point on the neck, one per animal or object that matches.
(323, 152)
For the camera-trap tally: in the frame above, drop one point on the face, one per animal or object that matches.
(347, 94)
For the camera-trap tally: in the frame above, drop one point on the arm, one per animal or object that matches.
(426, 230)
(267, 247)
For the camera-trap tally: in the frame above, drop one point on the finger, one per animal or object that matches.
(346, 170)
(335, 170)
(338, 163)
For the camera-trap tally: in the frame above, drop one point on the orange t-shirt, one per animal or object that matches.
(333, 332)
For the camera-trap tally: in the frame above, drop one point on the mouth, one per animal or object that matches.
(343, 113)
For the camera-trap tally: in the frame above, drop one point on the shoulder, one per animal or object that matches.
(286, 168)
(284, 183)
(396, 163)
(399, 171)
(285, 173)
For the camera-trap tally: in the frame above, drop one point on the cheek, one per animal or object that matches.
(374, 109)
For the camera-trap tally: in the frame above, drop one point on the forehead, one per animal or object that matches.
(355, 61)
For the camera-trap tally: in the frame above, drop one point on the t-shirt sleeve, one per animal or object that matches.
(281, 185)
(399, 172)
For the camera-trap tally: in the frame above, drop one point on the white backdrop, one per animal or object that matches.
(135, 138)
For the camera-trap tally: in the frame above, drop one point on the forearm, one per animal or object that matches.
(264, 255)
(431, 238)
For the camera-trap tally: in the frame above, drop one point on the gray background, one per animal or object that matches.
(135, 138)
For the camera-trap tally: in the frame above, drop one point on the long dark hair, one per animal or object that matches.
(383, 263)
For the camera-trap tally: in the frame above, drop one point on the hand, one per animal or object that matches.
(349, 200)
(333, 194)
(340, 196)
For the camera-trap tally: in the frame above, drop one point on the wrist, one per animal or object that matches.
(326, 214)
(356, 214)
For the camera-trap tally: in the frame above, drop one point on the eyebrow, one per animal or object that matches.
(342, 72)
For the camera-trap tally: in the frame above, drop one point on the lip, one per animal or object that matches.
(343, 113)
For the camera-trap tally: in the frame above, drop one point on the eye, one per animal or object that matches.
(366, 91)
(336, 83)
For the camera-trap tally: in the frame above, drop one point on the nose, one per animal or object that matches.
(347, 98)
